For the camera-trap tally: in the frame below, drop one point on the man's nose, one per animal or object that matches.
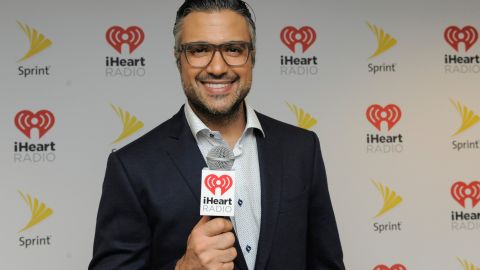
(217, 66)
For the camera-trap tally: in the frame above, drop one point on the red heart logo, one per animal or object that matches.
(454, 35)
(391, 114)
(117, 36)
(393, 267)
(461, 191)
(290, 36)
(26, 120)
(212, 182)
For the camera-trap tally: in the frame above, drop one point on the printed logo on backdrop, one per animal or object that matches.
(298, 41)
(130, 124)
(124, 41)
(304, 119)
(467, 265)
(39, 212)
(37, 43)
(34, 126)
(467, 197)
(393, 267)
(383, 120)
(384, 43)
(469, 119)
(390, 201)
(461, 41)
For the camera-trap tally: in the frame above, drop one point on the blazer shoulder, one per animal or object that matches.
(283, 130)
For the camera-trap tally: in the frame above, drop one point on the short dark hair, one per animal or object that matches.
(237, 6)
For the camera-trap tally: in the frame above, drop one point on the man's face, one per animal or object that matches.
(217, 89)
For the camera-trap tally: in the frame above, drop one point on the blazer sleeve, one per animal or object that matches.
(122, 235)
(324, 249)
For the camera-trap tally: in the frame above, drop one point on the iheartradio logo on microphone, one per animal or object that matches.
(384, 119)
(298, 40)
(466, 195)
(124, 41)
(223, 183)
(29, 124)
(217, 193)
(461, 40)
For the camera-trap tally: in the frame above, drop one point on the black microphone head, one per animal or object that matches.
(220, 158)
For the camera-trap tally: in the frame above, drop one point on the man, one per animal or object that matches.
(149, 211)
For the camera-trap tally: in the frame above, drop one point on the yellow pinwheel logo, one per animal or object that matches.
(39, 211)
(469, 118)
(304, 120)
(467, 265)
(130, 123)
(38, 42)
(384, 41)
(390, 198)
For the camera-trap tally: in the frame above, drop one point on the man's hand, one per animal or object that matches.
(209, 246)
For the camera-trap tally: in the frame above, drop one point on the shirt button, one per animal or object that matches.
(240, 202)
(248, 248)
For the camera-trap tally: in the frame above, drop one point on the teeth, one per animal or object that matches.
(216, 85)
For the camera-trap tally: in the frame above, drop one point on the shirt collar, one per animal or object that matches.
(197, 125)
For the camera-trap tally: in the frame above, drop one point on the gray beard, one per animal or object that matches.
(214, 115)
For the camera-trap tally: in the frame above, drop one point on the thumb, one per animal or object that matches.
(202, 221)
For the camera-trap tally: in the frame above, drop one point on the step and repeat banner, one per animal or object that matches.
(390, 87)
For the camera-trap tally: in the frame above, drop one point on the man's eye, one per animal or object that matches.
(198, 49)
(234, 49)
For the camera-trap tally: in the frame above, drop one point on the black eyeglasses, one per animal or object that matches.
(200, 54)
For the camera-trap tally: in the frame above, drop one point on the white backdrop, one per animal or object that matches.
(337, 90)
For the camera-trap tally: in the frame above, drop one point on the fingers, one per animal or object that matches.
(217, 226)
(210, 245)
(227, 266)
(223, 241)
(218, 257)
(227, 255)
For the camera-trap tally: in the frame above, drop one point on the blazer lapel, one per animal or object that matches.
(186, 155)
(270, 159)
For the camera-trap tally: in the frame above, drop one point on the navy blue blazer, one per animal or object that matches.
(151, 200)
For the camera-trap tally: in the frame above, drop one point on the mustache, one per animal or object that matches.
(212, 77)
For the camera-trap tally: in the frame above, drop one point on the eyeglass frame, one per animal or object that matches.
(216, 47)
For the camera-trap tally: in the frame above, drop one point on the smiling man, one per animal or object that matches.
(216, 84)
(149, 211)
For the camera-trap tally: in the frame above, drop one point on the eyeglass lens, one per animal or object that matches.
(200, 55)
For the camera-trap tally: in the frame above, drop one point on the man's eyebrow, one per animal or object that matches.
(207, 43)
(196, 43)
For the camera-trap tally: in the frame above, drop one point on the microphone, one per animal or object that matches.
(220, 158)
(218, 183)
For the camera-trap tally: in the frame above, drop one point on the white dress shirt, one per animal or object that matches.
(246, 221)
